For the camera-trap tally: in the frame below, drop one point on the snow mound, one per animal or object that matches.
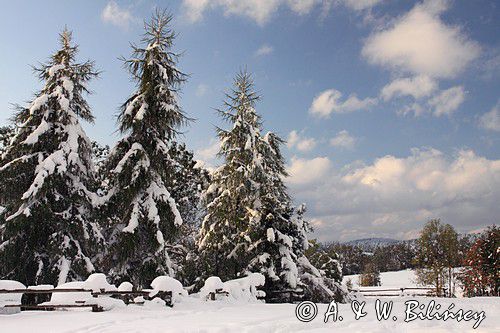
(211, 285)
(85, 297)
(41, 287)
(167, 283)
(125, 286)
(239, 290)
(10, 299)
(97, 282)
(59, 298)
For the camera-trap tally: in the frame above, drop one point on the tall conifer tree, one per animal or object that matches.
(46, 178)
(251, 224)
(140, 168)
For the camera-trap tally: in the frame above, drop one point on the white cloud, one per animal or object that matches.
(394, 196)
(302, 7)
(115, 15)
(208, 154)
(302, 144)
(264, 50)
(306, 172)
(329, 101)
(194, 9)
(420, 42)
(361, 4)
(491, 120)
(201, 90)
(261, 11)
(447, 101)
(258, 10)
(414, 108)
(417, 87)
(343, 140)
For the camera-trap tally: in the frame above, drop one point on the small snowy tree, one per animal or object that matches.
(46, 176)
(144, 217)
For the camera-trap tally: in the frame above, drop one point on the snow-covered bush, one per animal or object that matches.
(167, 283)
(318, 288)
(239, 290)
(212, 284)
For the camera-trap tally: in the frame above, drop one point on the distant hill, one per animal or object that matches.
(368, 244)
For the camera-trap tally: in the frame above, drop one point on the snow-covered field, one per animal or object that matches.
(192, 314)
(219, 317)
(400, 279)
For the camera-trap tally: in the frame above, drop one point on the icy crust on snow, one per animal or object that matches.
(10, 299)
(239, 290)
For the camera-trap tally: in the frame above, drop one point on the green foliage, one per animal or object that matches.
(437, 255)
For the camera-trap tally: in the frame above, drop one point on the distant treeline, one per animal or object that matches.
(385, 257)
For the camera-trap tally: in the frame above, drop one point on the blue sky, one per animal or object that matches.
(391, 108)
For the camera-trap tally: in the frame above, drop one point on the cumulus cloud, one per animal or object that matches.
(394, 196)
(329, 101)
(307, 172)
(116, 15)
(343, 140)
(417, 87)
(447, 101)
(491, 120)
(420, 42)
(300, 142)
(264, 50)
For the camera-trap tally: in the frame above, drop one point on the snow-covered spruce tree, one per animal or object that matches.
(46, 177)
(251, 224)
(144, 215)
(189, 181)
(233, 193)
(6, 134)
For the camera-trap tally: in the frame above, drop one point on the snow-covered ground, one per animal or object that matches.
(193, 314)
(399, 279)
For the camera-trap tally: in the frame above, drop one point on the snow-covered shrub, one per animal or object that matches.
(318, 288)
(166, 283)
(10, 299)
(245, 289)
(239, 290)
(212, 284)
